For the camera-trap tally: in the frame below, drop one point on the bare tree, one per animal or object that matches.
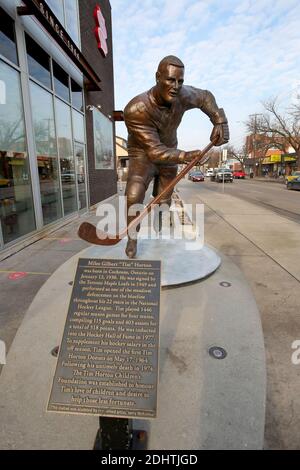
(238, 154)
(214, 158)
(276, 128)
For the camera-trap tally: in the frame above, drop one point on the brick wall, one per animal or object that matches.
(102, 183)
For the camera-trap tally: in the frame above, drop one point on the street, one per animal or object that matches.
(273, 196)
(263, 238)
(262, 241)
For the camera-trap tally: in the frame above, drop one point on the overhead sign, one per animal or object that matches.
(100, 31)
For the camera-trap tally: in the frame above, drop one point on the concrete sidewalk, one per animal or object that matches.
(266, 247)
(203, 403)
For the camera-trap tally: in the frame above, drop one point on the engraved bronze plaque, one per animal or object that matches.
(108, 358)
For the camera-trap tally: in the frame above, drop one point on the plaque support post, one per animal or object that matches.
(117, 434)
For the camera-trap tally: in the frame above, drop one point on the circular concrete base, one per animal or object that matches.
(179, 264)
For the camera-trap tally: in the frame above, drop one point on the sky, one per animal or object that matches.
(243, 51)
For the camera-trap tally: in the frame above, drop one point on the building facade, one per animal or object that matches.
(57, 141)
(122, 159)
(269, 157)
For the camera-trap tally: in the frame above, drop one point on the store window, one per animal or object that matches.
(46, 152)
(78, 126)
(61, 82)
(67, 13)
(16, 201)
(38, 62)
(80, 174)
(58, 9)
(66, 156)
(78, 132)
(71, 8)
(77, 98)
(8, 46)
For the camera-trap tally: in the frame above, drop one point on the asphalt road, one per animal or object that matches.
(265, 246)
(273, 196)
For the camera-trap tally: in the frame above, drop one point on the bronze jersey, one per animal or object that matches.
(152, 129)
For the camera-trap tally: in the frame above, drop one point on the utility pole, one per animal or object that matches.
(254, 142)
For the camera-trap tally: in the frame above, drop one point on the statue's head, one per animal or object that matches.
(169, 79)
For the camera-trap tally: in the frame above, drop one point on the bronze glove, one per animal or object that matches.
(220, 132)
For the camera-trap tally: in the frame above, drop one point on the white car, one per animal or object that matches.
(209, 173)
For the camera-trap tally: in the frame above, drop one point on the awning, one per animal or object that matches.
(16, 162)
(278, 159)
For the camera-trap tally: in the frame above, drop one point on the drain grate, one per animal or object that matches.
(225, 284)
(217, 352)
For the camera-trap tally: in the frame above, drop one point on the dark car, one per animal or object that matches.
(223, 174)
(294, 184)
(197, 176)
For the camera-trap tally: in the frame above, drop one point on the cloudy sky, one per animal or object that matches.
(244, 51)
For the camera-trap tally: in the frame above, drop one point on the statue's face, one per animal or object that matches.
(169, 82)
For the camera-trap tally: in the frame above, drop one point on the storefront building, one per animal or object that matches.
(278, 163)
(56, 114)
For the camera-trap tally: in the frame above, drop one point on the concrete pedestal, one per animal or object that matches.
(180, 265)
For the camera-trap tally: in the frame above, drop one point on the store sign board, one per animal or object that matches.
(46, 17)
(100, 31)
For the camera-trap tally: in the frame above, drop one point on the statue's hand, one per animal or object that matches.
(220, 134)
(189, 156)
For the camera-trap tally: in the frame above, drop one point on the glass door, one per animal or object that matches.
(80, 174)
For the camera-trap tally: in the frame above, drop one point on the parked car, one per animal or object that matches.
(293, 176)
(191, 173)
(197, 176)
(240, 174)
(223, 174)
(294, 184)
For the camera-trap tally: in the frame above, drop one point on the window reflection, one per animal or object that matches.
(77, 99)
(80, 172)
(66, 12)
(38, 62)
(57, 8)
(16, 203)
(78, 126)
(72, 19)
(66, 157)
(7, 37)
(46, 151)
(61, 82)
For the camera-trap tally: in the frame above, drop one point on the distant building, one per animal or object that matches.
(268, 156)
(122, 158)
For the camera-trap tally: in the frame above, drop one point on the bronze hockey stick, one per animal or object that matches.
(91, 234)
